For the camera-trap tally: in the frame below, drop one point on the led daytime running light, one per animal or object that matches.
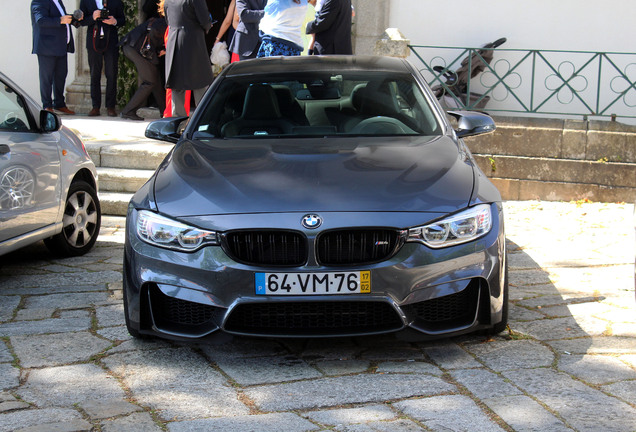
(170, 234)
(463, 227)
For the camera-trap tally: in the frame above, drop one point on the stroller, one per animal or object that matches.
(454, 92)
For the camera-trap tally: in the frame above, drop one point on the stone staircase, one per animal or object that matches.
(123, 170)
(527, 159)
(124, 157)
(559, 160)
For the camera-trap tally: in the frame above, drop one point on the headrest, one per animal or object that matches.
(356, 96)
(375, 99)
(261, 103)
(284, 96)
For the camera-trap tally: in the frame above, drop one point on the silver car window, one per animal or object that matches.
(13, 117)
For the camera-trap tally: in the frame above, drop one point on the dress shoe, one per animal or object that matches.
(49, 110)
(112, 112)
(65, 110)
(94, 112)
(131, 116)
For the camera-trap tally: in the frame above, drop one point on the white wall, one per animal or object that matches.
(16, 60)
(560, 25)
(584, 25)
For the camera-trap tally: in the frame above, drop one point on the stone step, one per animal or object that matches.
(526, 159)
(114, 203)
(602, 173)
(135, 155)
(122, 179)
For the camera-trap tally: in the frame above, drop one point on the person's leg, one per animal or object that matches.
(144, 71)
(45, 65)
(167, 112)
(59, 80)
(198, 95)
(158, 90)
(178, 103)
(111, 57)
(188, 99)
(95, 63)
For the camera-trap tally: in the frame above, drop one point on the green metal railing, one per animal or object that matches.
(563, 83)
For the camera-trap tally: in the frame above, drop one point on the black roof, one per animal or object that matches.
(316, 63)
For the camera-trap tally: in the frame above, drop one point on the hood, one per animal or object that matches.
(366, 174)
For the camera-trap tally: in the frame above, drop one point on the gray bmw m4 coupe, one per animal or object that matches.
(317, 197)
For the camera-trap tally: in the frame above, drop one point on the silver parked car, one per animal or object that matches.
(48, 183)
(317, 196)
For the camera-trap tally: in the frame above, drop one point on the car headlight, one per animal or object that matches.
(167, 233)
(459, 228)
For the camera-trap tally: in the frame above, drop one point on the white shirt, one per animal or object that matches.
(68, 28)
(283, 19)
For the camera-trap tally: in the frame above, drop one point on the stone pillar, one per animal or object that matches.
(372, 18)
(392, 44)
(78, 93)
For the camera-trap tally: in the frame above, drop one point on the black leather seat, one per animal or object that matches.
(261, 115)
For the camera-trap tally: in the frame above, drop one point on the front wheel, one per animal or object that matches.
(81, 222)
(503, 324)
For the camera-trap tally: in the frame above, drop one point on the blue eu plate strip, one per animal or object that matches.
(260, 284)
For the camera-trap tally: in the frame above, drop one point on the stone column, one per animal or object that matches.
(78, 93)
(372, 18)
(392, 44)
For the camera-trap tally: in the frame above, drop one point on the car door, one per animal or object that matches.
(30, 184)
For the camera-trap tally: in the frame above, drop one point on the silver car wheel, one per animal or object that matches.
(16, 188)
(79, 214)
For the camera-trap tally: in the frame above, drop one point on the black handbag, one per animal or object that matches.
(145, 49)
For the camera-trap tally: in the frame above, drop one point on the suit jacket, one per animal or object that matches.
(188, 64)
(110, 40)
(246, 39)
(332, 27)
(49, 36)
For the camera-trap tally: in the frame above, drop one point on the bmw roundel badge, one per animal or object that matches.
(311, 221)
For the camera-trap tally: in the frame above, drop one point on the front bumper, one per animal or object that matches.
(436, 293)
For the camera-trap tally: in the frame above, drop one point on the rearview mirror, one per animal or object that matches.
(49, 122)
(168, 129)
(471, 123)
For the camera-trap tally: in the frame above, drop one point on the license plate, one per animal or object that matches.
(313, 283)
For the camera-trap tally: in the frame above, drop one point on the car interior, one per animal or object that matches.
(317, 106)
(12, 114)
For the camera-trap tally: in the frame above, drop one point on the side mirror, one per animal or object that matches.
(168, 129)
(470, 123)
(49, 122)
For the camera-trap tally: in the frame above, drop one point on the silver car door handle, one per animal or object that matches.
(4, 149)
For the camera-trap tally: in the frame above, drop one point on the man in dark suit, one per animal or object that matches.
(52, 40)
(247, 40)
(332, 28)
(103, 52)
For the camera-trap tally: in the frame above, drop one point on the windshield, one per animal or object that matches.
(316, 104)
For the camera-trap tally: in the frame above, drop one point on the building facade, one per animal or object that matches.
(585, 25)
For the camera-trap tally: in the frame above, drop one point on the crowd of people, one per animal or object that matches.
(169, 49)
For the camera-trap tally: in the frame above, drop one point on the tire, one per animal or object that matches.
(81, 221)
(131, 330)
(503, 324)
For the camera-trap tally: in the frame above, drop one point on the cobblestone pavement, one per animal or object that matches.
(567, 363)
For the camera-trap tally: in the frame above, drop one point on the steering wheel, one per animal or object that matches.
(382, 125)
